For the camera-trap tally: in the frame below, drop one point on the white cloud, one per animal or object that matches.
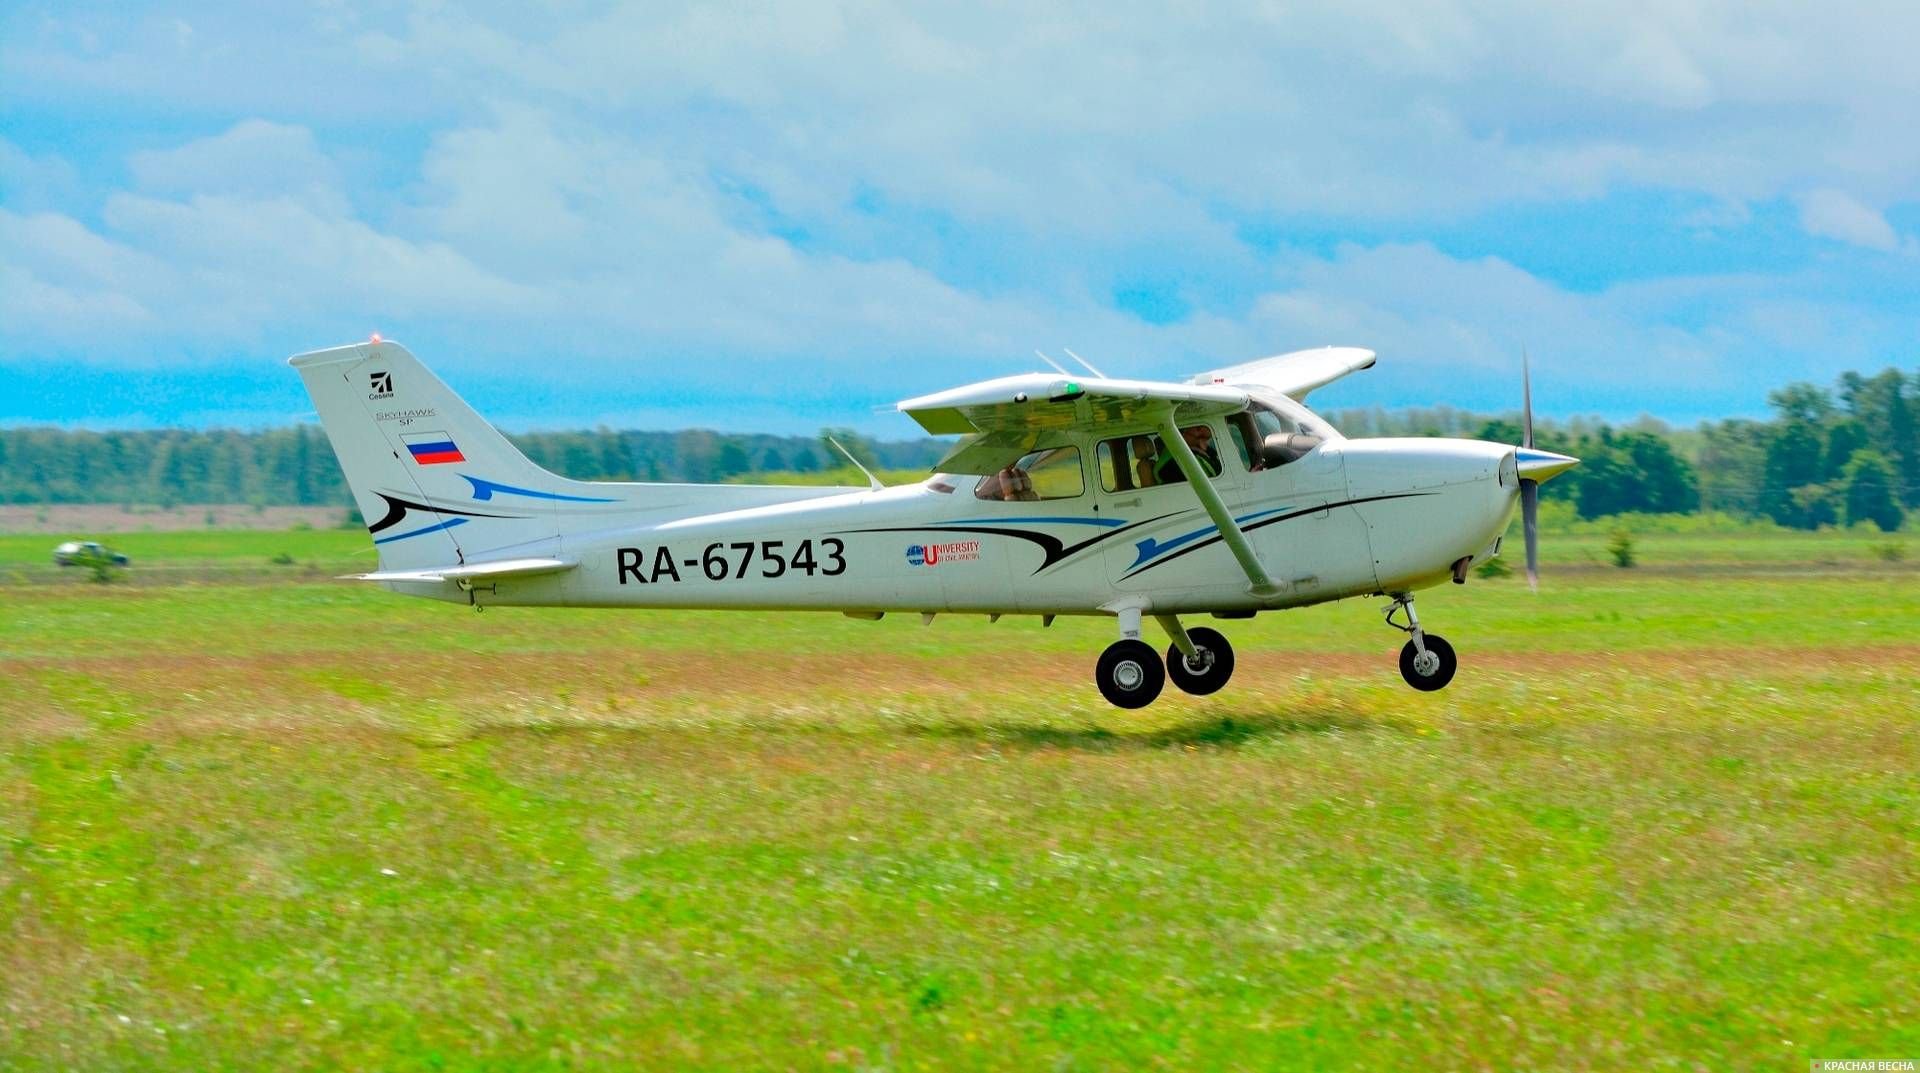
(1836, 215)
(253, 157)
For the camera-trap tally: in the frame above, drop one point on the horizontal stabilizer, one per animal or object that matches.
(472, 571)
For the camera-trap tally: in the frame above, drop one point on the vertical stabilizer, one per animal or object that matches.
(436, 483)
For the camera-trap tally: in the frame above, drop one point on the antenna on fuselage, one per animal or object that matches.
(871, 479)
(1057, 367)
(1086, 363)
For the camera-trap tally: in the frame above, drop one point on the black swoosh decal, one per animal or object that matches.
(1215, 539)
(397, 509)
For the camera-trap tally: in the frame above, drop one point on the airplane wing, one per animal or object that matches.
(1036, 401)
(1004, 419)
(1294, 374)
(472, 571)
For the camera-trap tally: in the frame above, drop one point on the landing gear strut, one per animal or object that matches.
(1427, 662)
(1130, 673)
(1199, 660)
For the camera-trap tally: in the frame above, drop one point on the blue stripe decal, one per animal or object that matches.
(421, 532)
(1152, 547)
(483, 490)
(1105, 523)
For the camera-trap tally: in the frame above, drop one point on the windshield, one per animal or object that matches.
(1049, 473)
(1272, 432)
(1282, 414)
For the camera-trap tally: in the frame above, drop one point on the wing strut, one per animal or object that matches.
(1236, 540)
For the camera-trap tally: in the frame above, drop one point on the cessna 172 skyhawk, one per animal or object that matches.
(1065, 496)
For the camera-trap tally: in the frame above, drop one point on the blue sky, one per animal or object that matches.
(660, 216)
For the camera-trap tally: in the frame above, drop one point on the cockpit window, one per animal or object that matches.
(1271, 433)
(1049, 473)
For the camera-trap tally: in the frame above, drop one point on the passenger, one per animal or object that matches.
(1142, 448)
(1200, 438)
(1010, 485)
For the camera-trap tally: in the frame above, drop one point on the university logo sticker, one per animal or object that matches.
(935, 554)
(431, 448)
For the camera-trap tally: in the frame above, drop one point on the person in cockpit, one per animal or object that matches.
(1143, 452)
(1011, 485)
(1200, 438)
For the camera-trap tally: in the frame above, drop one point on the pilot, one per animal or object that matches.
(1142, 448)
(1200, 438)
(1010, 485)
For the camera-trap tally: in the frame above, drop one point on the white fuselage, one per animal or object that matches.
(1350, 518)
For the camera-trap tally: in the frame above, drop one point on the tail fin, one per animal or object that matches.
(436, 483)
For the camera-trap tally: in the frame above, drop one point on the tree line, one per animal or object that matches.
(1827, 457)
(1843, 455)
(295, 466)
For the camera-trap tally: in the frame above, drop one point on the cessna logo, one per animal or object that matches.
(382, 386)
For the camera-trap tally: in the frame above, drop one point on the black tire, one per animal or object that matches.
(1442, 672)
(1208, 678)
(1130, 674)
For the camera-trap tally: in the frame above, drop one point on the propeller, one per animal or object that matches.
(1529, 488)
(1535, 466)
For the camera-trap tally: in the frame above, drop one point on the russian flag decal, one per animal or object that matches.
(431, 448)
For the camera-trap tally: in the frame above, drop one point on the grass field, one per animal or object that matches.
(254, 819)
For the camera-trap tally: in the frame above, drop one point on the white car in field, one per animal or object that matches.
(87, 553)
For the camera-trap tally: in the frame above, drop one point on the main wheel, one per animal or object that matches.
(1213, 669)
(1130, 674)
(1431, 671)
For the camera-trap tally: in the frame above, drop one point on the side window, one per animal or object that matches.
(1130, 462)
(1049, 473)
(1142, 461)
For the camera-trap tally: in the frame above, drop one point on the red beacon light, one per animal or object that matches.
(376, 338)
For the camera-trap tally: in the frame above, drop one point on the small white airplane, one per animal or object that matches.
(1065, 496)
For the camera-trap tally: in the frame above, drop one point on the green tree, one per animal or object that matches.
(732, 460)
(1667, 482)
(1869, 491)
(1732, 466)
(1796, 458)
(1499, 430)
(1903, 435)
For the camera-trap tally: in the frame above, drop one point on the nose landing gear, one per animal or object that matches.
(1427, 662)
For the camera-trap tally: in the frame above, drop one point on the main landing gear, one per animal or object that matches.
(1427, 662)
(1130, 673)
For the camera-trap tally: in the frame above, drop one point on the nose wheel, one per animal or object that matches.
(1130, 674)
(1431, 669)
(1427, 661)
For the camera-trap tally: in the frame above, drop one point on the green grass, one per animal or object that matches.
(1659, 821)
